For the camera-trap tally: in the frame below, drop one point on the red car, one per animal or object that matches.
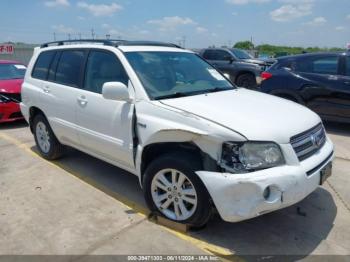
(11, 79)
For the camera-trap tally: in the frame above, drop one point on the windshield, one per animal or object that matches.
(241, 54)
(176, 74)
(12, 71)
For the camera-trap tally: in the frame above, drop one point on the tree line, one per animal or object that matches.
(274, 49)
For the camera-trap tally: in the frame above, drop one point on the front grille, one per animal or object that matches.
(14, 97)
(16, 115)
(309, 142)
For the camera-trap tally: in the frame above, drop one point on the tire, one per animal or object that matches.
(46, 142)
(247, 81)
(183, 164)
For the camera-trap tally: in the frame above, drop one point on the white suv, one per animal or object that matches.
(195, 141)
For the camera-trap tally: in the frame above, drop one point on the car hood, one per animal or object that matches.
(11, 86)
(254, 115)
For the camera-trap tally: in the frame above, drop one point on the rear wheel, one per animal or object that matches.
(48, 145)
(247, 81)
(173, 190)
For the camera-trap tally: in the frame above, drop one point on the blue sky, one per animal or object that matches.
(200, 23)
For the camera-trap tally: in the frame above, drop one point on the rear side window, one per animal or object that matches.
(69, 67)
(322, 65)
(42, 65)
(103, 67)
(209, 54)
(348, 65)
(326, 65)
(221, 55)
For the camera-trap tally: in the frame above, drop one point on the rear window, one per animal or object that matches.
(69, 67)
(42, 65)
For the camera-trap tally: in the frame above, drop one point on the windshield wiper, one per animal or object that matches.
(173, 95)
(198, 92)
(217, 89)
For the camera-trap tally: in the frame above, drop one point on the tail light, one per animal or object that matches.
(266, 75)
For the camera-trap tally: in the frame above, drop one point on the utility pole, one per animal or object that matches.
(69, 36)
(54, 36)
(108, 36)
(92, 33)
(79, 36)
(184, 41)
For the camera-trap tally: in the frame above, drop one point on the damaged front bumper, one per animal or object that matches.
(239, 197)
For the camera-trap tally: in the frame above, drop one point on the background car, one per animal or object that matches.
(242, 68)
(321, 81)
(11, 79)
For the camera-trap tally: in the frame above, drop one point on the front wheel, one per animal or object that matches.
(247, 81)
(173, 190)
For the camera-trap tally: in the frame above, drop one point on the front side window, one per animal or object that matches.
(42, 65)
(12, 71)
(69, 67)
(175, 74)
(103, 67)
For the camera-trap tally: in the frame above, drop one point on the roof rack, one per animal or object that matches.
(110, 42)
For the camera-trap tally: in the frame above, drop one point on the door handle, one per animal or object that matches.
(82, 100)
(46, 89)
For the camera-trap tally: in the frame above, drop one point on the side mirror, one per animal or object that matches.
(115, 91)
(230, 59)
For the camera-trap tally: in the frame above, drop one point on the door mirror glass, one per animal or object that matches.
(115, 91)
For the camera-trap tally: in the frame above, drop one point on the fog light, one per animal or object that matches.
(267, 193)
(272, 194)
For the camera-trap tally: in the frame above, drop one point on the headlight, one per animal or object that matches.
(250, 156)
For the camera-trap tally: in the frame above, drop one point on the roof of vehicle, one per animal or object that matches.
(124, 45)
(312, 55)
(9, 62)
(218, 48)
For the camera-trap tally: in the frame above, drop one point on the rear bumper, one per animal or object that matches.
(10, 112)
(239, 197)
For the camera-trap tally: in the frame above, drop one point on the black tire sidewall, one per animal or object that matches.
(187, 165)
(246, 78)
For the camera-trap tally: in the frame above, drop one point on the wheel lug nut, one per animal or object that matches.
(170, 196)
(176, 199)
(169, 188)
